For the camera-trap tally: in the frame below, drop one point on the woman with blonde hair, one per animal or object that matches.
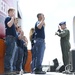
(32, 40)
(32, 36)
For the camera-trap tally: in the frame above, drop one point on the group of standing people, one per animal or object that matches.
(37, 39)
(16, 44)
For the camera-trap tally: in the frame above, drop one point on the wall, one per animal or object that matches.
(4, 6)
(74, 29)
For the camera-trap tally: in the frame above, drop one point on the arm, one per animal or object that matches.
(63, 33)
(59, 31)
(40, 24)
(25, 40)
(44, 24)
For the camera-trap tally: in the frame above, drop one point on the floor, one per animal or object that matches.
(49, 73)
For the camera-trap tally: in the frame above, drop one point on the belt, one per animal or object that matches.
(40, 39)
(10, 36)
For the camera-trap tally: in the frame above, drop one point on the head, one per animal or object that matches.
(18, 29)
(62, 25)
(16, 21)
(32, 30)
(39, 16)
(11, 12)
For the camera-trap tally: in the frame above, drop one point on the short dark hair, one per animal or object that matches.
(39, 15)
(11, 9)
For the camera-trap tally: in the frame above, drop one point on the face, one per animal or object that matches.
(16, 21)
(63, 26)
(12, 13)
(40, 18)
(18, 28)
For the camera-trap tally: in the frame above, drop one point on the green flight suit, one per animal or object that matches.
(65, 45)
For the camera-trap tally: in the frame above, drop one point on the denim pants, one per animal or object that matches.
(11, 48)
(19, 58)
(25, 56)
(38, 54)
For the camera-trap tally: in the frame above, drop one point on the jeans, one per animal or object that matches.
(24, 57)
(19, 58)
(38, 54)
(11, 48)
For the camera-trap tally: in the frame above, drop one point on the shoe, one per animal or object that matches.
(10, 73)
(40, 72)
(17, 72)
(26, 72)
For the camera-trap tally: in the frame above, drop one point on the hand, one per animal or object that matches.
(44, 24)
(56, 33)
(19, 37)
(13, 17)
(59, 27)
(43, 18)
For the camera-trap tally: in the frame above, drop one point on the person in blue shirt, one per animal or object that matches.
(19, 52)
(22, 49)
(10, 39)
(39, 46)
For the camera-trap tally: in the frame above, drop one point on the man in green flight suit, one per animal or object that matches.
(64, 34)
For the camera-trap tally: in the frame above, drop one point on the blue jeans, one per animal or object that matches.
(38, 54)
(19, 58)
(25, 56)
(11, 48)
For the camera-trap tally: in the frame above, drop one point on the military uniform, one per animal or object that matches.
(65, 44)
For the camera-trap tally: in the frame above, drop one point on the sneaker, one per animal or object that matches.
(40, 72)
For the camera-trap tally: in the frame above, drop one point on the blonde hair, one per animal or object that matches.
(31, 33)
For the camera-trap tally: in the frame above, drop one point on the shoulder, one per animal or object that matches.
(7, 19)
(37, 23)
(67, 30)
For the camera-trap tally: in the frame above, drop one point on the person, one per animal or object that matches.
(16, 22)
(25, 41)
(40, 43)
(32, 36)
(64, 34)
(32, 40)
(10, 39)
(22, 52)
(19, 52)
